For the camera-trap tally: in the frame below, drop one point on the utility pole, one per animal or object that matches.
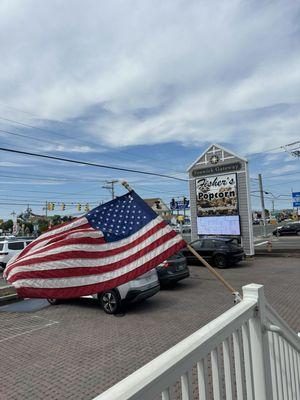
(262, 200)
(46, 209)
(110, 185)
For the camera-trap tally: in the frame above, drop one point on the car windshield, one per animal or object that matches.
(1, 246)
(175, 256)
(15, 246)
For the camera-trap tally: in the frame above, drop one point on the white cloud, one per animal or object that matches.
(155, 71)
(11, 164)
(285, 169)
(70, 149)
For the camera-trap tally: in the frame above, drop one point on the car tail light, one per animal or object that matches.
(165, 264)
(3, 254)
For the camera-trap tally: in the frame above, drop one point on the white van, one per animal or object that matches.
(11, 246)
(136, 290)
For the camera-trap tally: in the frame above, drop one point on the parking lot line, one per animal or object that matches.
(30, 330)
(259, 244)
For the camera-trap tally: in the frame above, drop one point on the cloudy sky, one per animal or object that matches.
(145, 85)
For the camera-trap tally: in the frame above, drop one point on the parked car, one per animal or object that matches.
(11, 246)
(172, 270)
(186, 229)
(139, 289)
(290, 229)
(220, 251)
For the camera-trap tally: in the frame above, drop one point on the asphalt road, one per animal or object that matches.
(75, 351)
(284, 244)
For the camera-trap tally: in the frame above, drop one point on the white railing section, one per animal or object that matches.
(248, 353)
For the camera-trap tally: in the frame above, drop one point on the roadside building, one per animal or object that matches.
(160, 207)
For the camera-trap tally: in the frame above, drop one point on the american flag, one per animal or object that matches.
(110, 245)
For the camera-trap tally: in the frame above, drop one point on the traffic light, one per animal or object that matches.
(87, 207)
(186, 203)
(62, 206)
(50, 206)
(157, 204)
(78, 207)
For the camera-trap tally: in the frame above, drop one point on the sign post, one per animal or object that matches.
(296, 199)
(220, 196)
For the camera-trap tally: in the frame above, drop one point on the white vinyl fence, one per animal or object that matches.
(248, 352)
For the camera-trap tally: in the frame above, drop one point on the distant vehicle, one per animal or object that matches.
(186, 229)
(255, 222)
(11, 246)
(113, 300)
(290, 229)
(221, 252)
(172, 270)
(183, 229)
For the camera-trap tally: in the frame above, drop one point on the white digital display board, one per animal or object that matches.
(220, 225)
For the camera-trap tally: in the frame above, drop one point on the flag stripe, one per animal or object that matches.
(44, 239)
(101, 265)
(91, 279)
(110, 245)
(87, 233)
(86, 289)
(90, 251)
(85, 259)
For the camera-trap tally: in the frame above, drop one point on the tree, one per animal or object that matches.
(7, 225)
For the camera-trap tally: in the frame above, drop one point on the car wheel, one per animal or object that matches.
(53, 302)
(298, 233)
(110, 302)
(220, 261)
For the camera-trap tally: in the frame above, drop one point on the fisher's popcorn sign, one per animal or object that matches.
(217, 195)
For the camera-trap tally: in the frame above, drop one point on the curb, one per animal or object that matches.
(281, 254)
(9, 298)
(8, 294)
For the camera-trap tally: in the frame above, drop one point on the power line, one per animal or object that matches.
(282, 183)
(57, 199)
(275, 176)
(43, 192)
(43, 129)
(29, 137)
(269, 198)
(52, 179)
(40, 204)
(67, 137)
(91, 164)
(282, 147)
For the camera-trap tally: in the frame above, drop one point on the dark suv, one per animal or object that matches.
(172, 270)
(290, 229)
(222, 252)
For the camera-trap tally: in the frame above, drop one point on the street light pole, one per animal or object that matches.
(262, 200)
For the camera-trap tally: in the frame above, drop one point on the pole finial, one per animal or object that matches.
(126, 186)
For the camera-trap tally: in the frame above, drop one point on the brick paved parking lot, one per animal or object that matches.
(75, 351)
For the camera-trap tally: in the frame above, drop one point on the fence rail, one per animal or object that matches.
(249, 352)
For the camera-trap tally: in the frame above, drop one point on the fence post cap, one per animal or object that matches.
(253, 291)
